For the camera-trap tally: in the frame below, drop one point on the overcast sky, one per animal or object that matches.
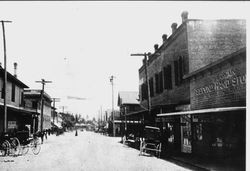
(79, 45)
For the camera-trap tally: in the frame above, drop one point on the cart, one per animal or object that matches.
(27, 142)
(150, 143)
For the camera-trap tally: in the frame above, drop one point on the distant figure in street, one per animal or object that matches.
(40, 134)
(45, 133)
(76, 133)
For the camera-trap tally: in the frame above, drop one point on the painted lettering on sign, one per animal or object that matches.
(223, 81)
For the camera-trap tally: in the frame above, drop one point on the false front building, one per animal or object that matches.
(17, 116)
(33, 101)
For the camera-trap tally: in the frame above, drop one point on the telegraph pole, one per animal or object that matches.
(42, 93)
(54, 111)
(5, 77)
(113, 115)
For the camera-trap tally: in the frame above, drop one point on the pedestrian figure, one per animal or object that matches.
(40, 134)
(76, 133)
(45, 133)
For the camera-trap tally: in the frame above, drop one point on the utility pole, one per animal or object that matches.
(113, 115)
(5, 77)
(54, 108)
(147, 80)
(42, 93)
(125, 114)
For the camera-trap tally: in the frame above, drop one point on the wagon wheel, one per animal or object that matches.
(24, 149)
(4, 148)
(15, 146)
(36, 146)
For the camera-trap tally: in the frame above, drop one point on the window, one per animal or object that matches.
(178, 71)
(13, 92)
(34, 104)
(167, 77)
(2, 93)
(160, 82)
(151, 86)
(156, 83)
(22, 99)
(144, 91)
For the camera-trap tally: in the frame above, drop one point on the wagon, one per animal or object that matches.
(150, 143)
(27, 142)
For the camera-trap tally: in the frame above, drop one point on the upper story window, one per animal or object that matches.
(156, 83)
(178, 71)
(13, 92)
(144, 91)
(22, 99)
(34, 104)
(167, 71)
(2, 92)
(151, 86)
(160, 82)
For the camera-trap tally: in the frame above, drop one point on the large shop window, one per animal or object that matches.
(186, 134)
(171, 132)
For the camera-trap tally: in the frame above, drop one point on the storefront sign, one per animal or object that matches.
(12, 124)
(183, 107)
(223, 81)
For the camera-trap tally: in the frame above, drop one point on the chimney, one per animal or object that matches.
(184, 16)
(174, 27)
(164, 38)
(15, 67)
(156, 46)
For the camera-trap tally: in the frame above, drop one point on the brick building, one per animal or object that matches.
(198, 53)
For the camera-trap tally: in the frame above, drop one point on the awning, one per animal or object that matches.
(128, 121)
(136, 113)
(56, 124)
(212, 110)
(20, 109)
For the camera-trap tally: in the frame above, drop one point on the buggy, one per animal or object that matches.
(151, 141)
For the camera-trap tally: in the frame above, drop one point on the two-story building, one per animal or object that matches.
(17, 115)
(174, 66)
(32, 100)
(128, 102)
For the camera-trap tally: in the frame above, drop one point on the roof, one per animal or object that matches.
(12, 78)
(35, 93)
(212, 110)
(128, 97)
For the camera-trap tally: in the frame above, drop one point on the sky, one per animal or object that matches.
(78, 45)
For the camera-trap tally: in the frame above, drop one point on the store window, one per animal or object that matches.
(171, 132)
(198, 131)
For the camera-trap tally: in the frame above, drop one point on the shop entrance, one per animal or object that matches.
(186, 134)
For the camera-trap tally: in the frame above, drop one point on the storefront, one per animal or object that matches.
(18, 118)
(215, 124)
